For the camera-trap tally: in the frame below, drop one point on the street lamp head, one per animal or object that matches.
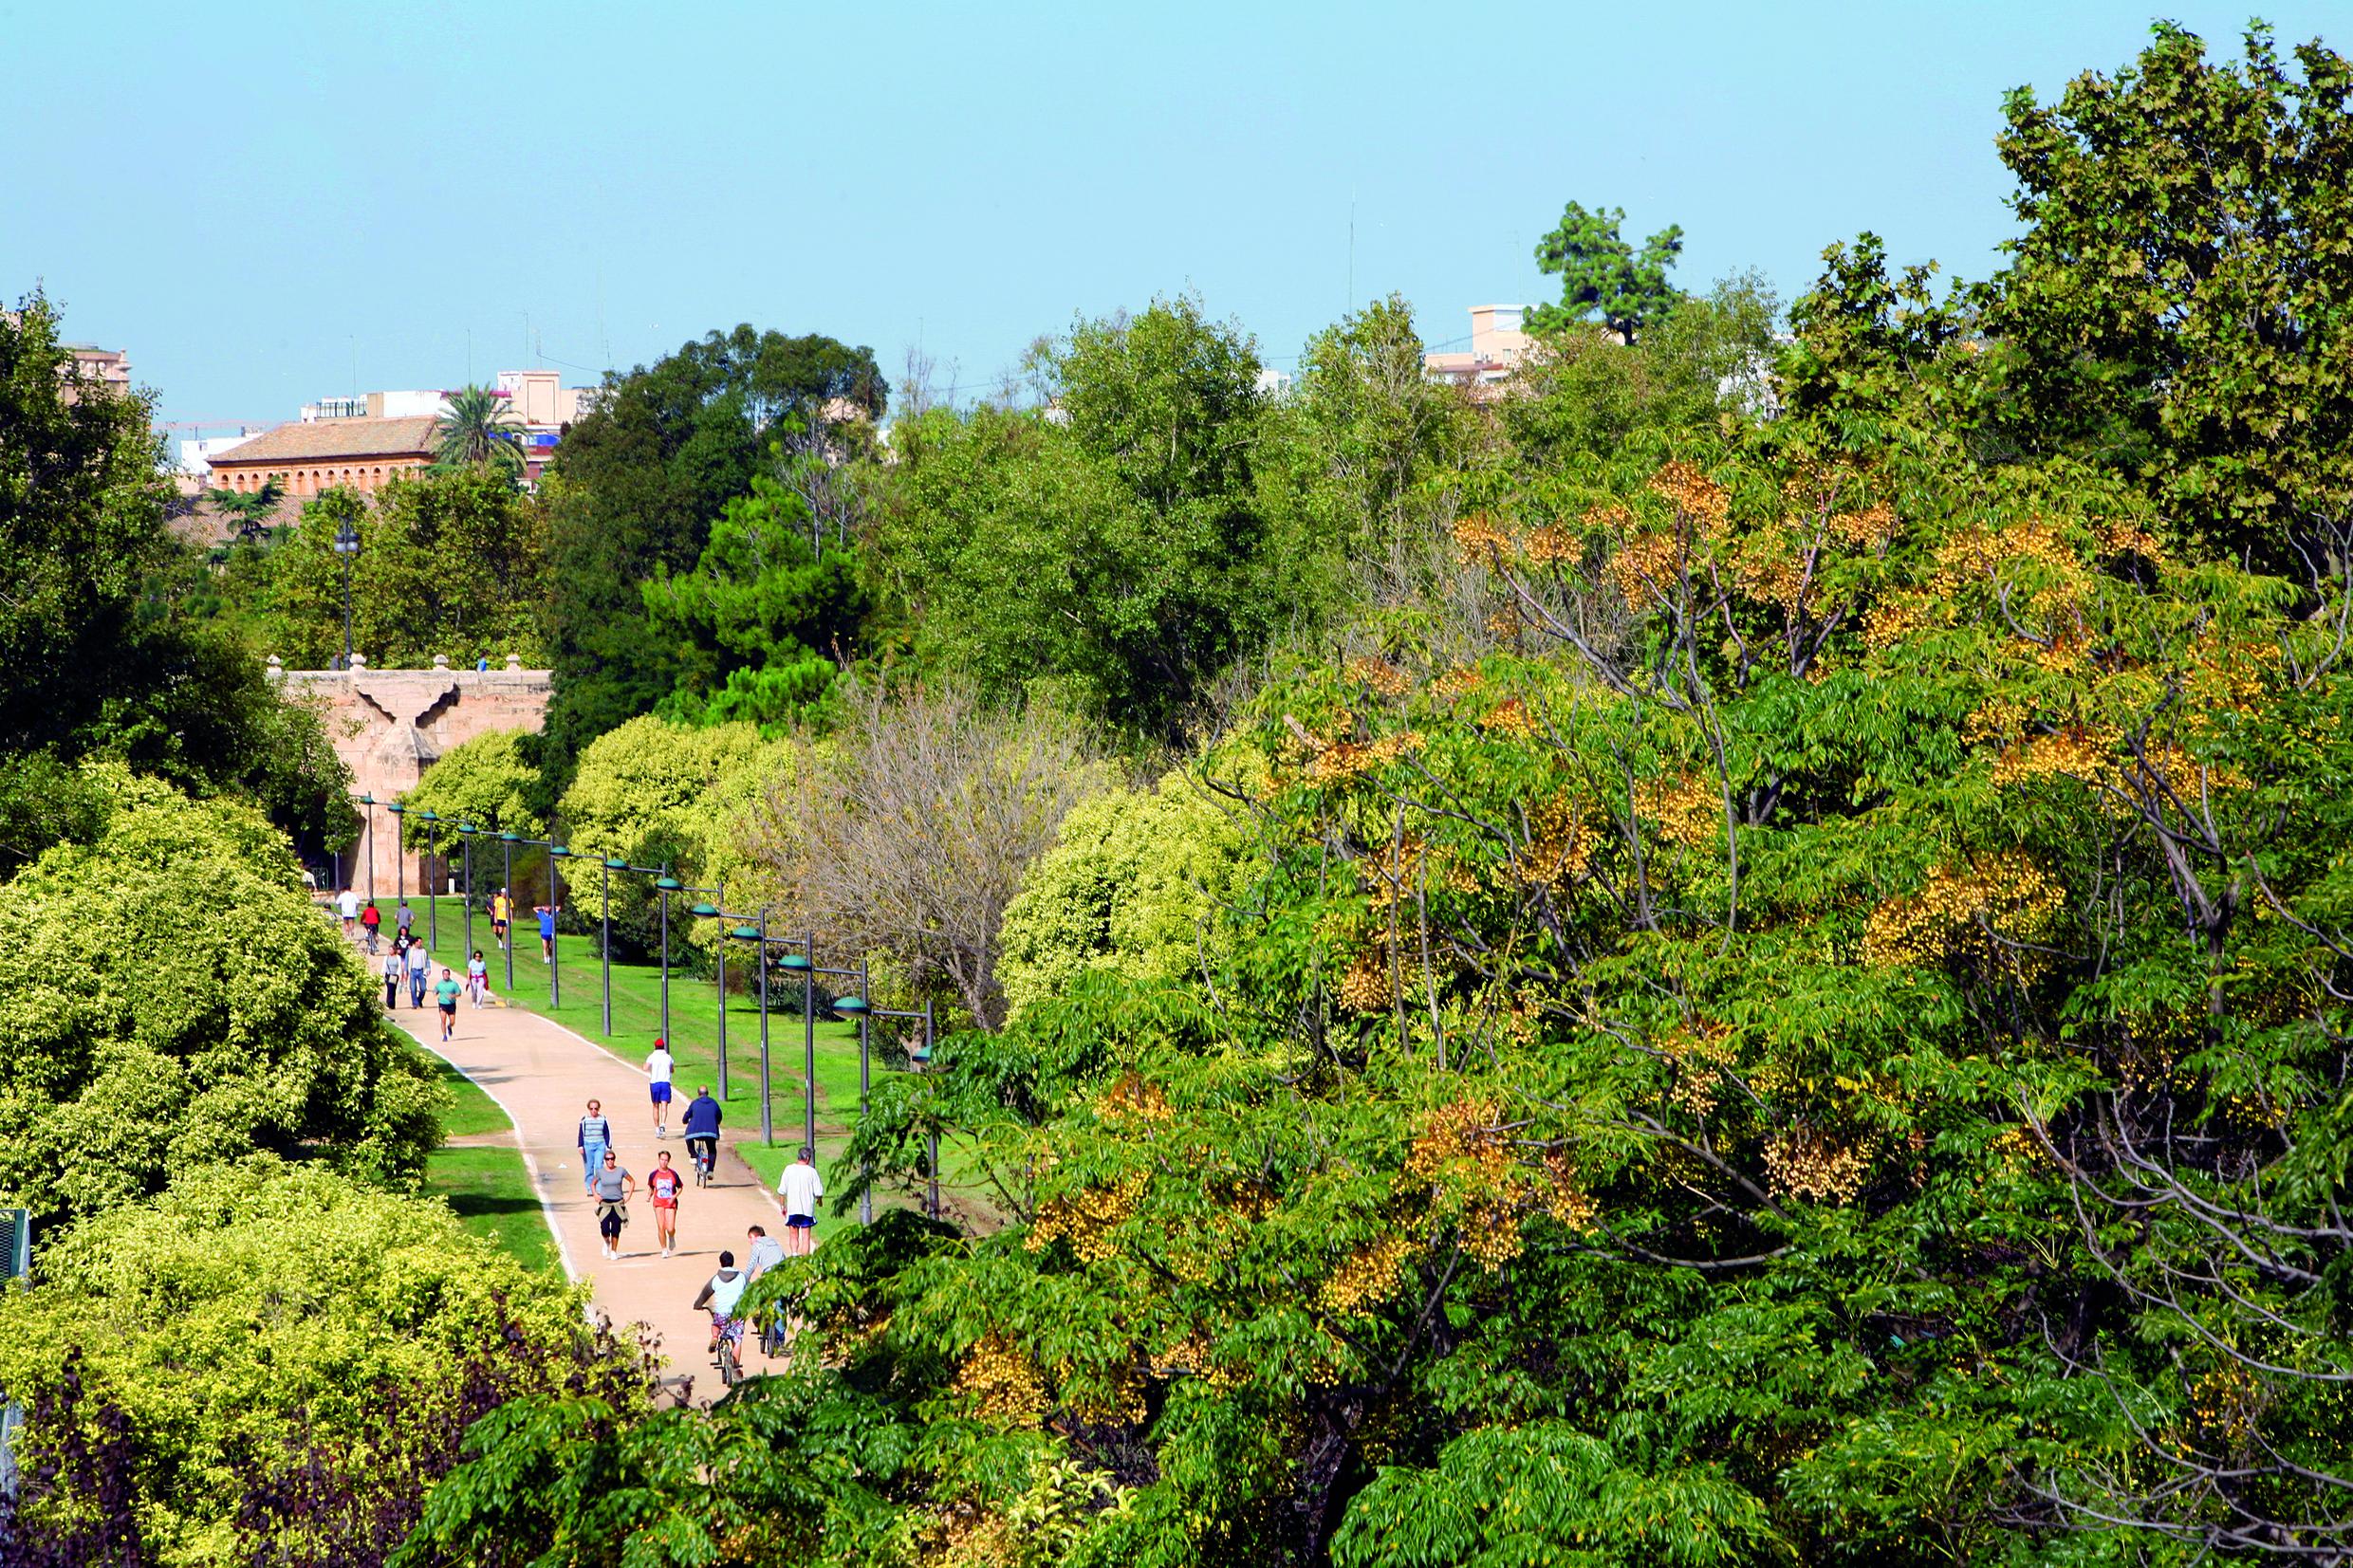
(346, 539)
(704, 911)
(395, 808)
(853, 1006)
(793, 961)
(668, 884)
(510, 837)
(921, 1055)
(429, 815)
(364, 799)
(616, 864)
(557, 852)
(468, 827)
(746, 934)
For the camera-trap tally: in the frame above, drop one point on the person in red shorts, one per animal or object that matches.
(664, 1184)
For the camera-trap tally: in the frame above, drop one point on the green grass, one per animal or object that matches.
(489, 1188)
(693, 1039)
(474, 1111)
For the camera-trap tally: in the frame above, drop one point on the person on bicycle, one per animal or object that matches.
(664, 1184)
(371, 919)
(721, 1294)
(702, 1131)
(766, 1252)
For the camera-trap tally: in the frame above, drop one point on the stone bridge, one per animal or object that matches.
(389, 725)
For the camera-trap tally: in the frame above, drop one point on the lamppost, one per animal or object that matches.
(605, 943)
(665, 885)
(431, 819)
(369, 802)
(804, 964)
(759, 934)
(920, 1058)
(400, 856)
(506, 842)
(347, 546)
(464, 832)
(707, 910)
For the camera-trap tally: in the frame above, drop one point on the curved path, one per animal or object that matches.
(542, 1075)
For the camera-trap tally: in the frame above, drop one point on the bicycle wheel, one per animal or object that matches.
(730, 1371)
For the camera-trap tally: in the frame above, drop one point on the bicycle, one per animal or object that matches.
(702, 1154)
(726, 1357)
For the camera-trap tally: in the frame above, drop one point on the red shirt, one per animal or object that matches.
(664, 1184)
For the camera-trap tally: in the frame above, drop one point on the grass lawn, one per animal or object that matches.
(693, 1036)
(489, 1188)
(475, 1113)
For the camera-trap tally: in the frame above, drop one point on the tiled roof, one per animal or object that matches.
(321, 440)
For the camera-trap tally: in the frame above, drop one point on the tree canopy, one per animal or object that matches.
(1602, 277)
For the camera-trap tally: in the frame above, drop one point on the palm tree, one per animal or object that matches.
(476, 430)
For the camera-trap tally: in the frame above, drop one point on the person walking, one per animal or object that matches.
(348, 901)
(612, 1187)
(477, 978)
(421, 969)
(797, 1193)
(662, 1183)
(396, 968)
(547, 913)
(659, 1066)
(446, 995)
(405, 916)
(371, 920)
(596, 1136)
(502, 910)
(702, 1130)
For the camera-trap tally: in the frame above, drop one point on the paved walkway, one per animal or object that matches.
(542, 1075)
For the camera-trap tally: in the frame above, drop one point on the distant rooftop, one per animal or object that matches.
(306, 441)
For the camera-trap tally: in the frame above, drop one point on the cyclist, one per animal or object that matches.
(702, 1132)
(766, 1252)
(721, 1293)
(371, 919)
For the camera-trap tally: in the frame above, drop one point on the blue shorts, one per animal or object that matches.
(801, 1222)
(662, 1093)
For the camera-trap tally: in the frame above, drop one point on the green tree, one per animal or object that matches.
(479, 430)
(488, 780)
(280, 1358)
(170, 997)
(1131, 886)
(1603, 277)
(252, 508)
(637, 485)
(1107, 552)
(760, 621)
(92, 661)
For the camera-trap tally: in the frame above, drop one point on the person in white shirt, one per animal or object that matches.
(797, 1193)
(349, 903)
(658, 1068)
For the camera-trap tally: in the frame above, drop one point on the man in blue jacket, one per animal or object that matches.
(702, 1129)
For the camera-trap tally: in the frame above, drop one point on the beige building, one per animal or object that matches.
(310, 457)
(1497, 346)
(110, 365)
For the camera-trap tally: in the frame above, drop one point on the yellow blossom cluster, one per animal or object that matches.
(1559, 846)
(1510, 718)
(1369, 985)
(1695, 495)
(1543, 546)
(1404, 743)
(1772, 570)
(1366, 1276)
(1003, 1383)
(1459, 1134)
(1085, 1219)
(1870, 528)
(1479, 539)
(1974, 911)
(1122, 1402)
(1491, 1232)
(1807, 1162)
(1643, 570)
(1192, 1354)
(1379, 674)
(1133, 1095)
(1688, 807)
(1700, 1057)
(1455, 682)
(1339, 762)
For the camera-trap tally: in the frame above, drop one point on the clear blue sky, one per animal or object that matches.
(248, 196)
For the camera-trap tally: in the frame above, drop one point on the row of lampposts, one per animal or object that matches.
(754, 929)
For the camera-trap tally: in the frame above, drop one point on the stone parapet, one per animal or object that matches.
(389, 725)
